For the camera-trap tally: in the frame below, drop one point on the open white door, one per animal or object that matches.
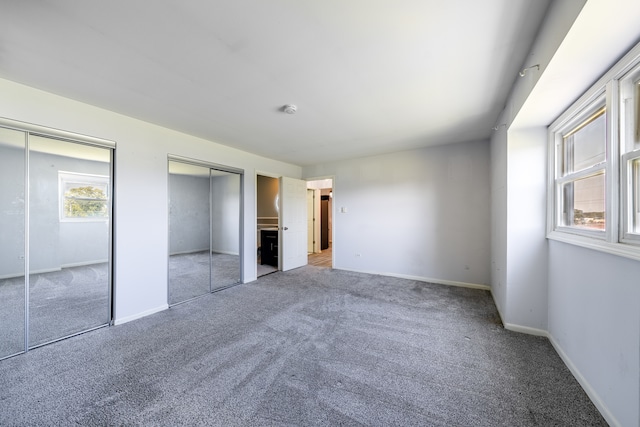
(293, 223)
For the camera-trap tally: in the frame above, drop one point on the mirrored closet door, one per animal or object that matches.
(55, 251)
(12, 244)
(204, 229)
(69, 238)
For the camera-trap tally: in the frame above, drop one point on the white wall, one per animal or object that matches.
(499, 219)
(420, 213)
(526, 293)
(141, 205)
(594, 320)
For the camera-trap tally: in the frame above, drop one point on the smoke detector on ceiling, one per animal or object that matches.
(290, 109)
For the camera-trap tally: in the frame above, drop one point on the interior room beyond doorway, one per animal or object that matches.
(268, 214)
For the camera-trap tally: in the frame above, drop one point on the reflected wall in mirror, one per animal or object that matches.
(12, 243)
(225, 229)
(189, 243)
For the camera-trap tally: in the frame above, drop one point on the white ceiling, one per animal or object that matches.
(368, 76)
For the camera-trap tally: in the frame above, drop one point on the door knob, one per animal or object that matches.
(285, 228)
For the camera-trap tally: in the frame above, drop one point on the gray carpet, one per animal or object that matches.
(312, 346)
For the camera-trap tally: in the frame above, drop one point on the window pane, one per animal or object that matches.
(636, 196)
(584, 146)
(83, 200)
(584, 203)
(636, 118)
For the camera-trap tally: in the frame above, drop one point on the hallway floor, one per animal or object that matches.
(323, 259)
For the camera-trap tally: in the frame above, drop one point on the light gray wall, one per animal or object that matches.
(53, 244)
(594, 319)
(421, 213)
(526, 297)
(188, 213)
(499, 219)
(225, 223)
(12, 207)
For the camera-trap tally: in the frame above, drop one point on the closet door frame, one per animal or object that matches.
(222, 168)
(30, 129)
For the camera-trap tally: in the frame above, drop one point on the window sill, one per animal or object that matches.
(84, 220)
(618, 249)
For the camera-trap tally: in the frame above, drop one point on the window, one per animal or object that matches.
(581, 172)
(83, 197)
(594, 165)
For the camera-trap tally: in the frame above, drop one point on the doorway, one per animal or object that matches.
(281, 221)
(268, 220)
(320, 222)
(205, 211)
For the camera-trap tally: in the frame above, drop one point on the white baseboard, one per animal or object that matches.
(424, 279)
(195, 251)
(54, 269)
(12, 276)
(121, 320)
(526, 329)
(586, 386)
(215, 251)
(190, 251)
(82, 264)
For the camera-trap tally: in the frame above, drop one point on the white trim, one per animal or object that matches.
(615, 240)
(526, 330)
(56, 133)
(423, 279)
(12, 276)
(586, 386)
(518, 328)
(84, 263)
(618, 249)
(126, 319)
(190, 251)
(215, 251)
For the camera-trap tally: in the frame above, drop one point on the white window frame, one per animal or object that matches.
(100, 181)
(557, 136)
(620, 195)
(630, 148)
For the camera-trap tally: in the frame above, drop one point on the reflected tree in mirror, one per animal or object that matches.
(84, 202)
